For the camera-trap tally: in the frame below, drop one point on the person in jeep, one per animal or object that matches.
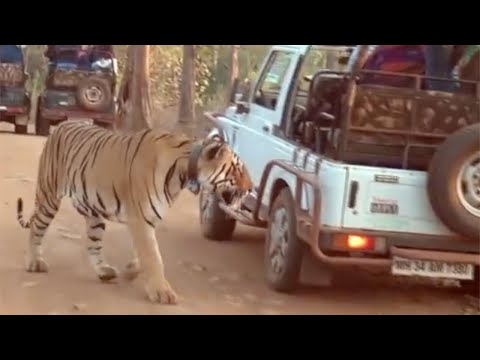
(441, 61)
(101, 52)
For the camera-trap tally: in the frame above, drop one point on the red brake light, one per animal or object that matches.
(358, 242)
(17, 110)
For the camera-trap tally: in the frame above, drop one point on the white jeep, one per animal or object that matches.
(359, 171)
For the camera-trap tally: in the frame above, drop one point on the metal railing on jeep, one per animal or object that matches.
(396, 125)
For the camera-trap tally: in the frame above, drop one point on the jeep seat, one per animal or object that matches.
(325, 89)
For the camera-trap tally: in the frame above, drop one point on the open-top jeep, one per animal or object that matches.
(14, 98)
(359, 172)
(78, 89)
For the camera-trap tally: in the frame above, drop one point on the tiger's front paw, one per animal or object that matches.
(36, 265)
(160, 291)
(107, 273)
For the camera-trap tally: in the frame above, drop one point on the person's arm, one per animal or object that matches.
(355, 54)
(457, 54)
(468, 53)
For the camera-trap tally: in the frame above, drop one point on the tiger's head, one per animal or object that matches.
(215, 167)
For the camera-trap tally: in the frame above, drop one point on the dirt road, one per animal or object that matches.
(211, 278)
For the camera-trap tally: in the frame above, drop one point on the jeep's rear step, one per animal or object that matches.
(59, 114)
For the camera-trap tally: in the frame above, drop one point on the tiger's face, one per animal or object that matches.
(220, 170)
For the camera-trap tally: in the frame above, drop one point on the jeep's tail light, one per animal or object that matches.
(344, 242)
(357, 242)
(16, 110)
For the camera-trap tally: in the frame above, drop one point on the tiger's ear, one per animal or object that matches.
(215, 152)
(218, 138)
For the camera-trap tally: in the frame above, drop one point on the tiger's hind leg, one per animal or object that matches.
(95, 231)
(44, 215)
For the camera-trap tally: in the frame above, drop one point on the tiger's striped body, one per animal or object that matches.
(130, 179)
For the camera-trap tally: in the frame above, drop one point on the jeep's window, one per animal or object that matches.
(272, 79)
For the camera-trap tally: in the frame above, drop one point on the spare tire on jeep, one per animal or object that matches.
(94, 94)
(454, 182)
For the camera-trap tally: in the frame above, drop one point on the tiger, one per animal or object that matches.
(127, 178)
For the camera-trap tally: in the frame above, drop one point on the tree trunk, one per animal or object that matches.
(233, 71)
(134, 93)
(186, 113)
(216, 55)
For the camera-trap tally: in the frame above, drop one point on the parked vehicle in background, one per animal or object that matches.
(81, 83)
(14, 98)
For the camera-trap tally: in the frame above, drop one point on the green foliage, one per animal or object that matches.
(166, 74)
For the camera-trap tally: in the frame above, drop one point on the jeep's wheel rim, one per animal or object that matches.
(93, 94)
(278, 240)
(468, 185)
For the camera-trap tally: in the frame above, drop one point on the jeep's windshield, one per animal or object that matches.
(11, 54)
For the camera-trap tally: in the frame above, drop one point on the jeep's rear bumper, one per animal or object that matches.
(59, 114)
(14, 110)
(309, 229)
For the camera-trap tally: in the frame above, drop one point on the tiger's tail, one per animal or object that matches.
(21, 219)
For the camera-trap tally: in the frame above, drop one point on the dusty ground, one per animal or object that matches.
(212, 278)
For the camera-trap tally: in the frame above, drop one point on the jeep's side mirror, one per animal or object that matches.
(242, 108)
(234, 91)
(240, 94)
(240, 91)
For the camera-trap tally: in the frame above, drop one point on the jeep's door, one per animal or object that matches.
(256, 140)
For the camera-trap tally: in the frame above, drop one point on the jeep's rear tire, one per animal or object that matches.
(21, 129)
(284, 251)
(215, 224)
(94, 95)
(454, 182)
(42, 125)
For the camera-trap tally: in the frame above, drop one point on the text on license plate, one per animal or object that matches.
(380, 208)
(433, 269)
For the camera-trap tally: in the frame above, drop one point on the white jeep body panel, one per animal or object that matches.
(407, 190)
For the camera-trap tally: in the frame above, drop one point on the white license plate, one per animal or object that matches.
(432, 269)
(3, 108)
